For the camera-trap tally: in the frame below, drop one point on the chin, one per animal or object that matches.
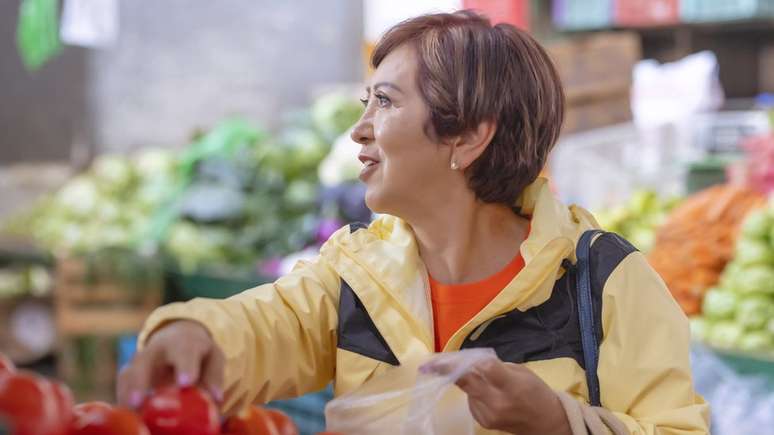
(376, 201)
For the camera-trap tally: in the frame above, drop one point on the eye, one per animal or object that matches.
(382, 100)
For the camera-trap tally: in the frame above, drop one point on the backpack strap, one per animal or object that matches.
(586, 314)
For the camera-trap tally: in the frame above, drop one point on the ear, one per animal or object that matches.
(468, 147)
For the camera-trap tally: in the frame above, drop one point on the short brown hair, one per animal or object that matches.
(470, 71)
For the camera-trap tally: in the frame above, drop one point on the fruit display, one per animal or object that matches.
(638, 218)
(33, 405)
(739, 312)
(697, 240)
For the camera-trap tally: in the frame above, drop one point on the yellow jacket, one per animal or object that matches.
(363, 306)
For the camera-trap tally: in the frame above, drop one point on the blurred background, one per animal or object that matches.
(159, 151)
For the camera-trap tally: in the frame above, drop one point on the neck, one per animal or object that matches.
(464, 240)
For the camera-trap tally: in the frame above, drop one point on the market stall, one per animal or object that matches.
(668, 140)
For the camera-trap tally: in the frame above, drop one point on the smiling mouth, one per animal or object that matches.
(369, 166)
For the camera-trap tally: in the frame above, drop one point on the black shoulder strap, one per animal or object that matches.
(586, 314)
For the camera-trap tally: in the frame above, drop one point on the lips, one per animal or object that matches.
(369, 165)
(367, 160)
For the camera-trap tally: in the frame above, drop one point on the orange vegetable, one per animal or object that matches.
(698, 239)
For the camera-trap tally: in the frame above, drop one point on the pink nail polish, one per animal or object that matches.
(135, 399)
(184, 380)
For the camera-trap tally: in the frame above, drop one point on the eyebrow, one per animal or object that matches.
(386, 85)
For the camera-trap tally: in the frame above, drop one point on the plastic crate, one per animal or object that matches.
(725, 10)
(183, 287)
(308, 412)
(706, 173)
(582, 14)
(645, 13)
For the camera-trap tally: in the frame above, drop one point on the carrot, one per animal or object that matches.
(697, 240)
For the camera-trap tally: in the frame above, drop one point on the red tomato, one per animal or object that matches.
(99, 418)
(30, 405)
(175, 411)
(84, 410)
(6, 365)
(253, 420)
(284, 424)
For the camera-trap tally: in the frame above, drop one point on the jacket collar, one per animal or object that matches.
(387, 252)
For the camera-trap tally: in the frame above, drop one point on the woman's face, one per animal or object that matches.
(404, 170)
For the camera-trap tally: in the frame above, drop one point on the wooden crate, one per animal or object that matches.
(95, 311)
(98, 308)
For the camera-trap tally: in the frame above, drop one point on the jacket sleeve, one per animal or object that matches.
(279, 339)
(644, 369)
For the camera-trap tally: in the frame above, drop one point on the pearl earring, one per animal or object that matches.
(454, 166)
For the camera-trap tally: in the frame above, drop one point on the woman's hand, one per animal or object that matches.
(182, 353)
(510, 398)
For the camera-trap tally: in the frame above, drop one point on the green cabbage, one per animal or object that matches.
(757, 225)
(754, 311)
(725, 334)
(755, 279)
(700, 328)
(719, 304)
(756, 341)
(754, 252)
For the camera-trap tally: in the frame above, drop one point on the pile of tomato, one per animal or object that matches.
(32, 405)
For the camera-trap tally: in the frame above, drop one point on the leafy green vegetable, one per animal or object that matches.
(756, 279)
(725, 334)
(756, 341)
(700, 328)
(719, 304)
(754, 311)
(757, 225)
(334, 113)
(752, 252)
(638, 219)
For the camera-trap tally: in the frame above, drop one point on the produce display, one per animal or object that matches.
(638, 218)
(739, 312)
(33, 405)
(697, 240)
(759, 162)
(236, 197)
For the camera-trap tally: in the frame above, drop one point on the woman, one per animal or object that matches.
(471, 250)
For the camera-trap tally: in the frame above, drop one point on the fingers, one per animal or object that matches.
(134, 380)
(186, 361)
(212, 373)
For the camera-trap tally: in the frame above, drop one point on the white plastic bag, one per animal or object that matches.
(90, 23)
(403, 401)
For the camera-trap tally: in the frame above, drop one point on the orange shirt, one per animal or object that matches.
(455, 304)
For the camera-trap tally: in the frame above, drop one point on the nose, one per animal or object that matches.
(363, 131)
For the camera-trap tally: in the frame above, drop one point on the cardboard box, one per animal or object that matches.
(596, 66)
(596, 72)
(592, 114)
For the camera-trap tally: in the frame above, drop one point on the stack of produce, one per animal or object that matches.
(739, 312)
(638, 219)
(697, 241)
(108, 205)
(234, 197)
(32, 405)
